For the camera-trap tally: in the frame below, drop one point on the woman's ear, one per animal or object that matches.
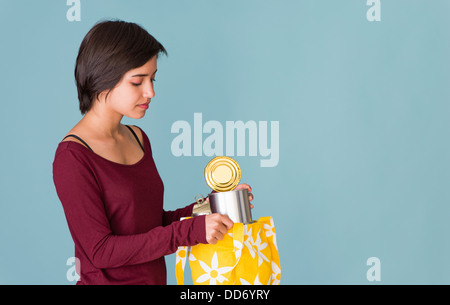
(102, 97)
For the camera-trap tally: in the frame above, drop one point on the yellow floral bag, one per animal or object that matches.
(247, 255)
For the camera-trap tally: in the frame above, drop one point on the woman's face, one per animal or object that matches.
(133, 93)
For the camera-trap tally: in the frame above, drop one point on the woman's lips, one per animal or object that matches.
(143, 106)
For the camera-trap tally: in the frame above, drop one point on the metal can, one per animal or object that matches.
(234, 203)
(222, 174)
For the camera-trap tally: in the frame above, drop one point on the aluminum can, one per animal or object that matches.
(234, 204)
(222, 174)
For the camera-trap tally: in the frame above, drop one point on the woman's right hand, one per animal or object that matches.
(217, 226)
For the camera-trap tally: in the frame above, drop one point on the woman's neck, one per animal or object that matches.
(104, 124)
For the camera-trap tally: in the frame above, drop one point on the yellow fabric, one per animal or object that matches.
(248, 255)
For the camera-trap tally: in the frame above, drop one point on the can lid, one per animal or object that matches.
(222, 174)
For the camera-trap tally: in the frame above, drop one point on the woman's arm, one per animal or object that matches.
(80, 195)
(171, 216)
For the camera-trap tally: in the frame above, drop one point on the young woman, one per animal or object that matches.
(104, 172)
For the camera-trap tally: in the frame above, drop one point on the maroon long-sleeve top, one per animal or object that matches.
(116, 218)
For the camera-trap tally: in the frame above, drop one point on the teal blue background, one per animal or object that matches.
(363, 109)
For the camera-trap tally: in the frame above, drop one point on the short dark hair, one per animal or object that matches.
(109, 50)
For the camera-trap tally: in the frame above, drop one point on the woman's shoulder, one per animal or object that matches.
(75, 143)
(140, 133)
(71, 150)
(72, 144)
(78, 135)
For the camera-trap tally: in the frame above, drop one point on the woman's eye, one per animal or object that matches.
(138, 84)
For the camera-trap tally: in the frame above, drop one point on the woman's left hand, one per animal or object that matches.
(248, 187)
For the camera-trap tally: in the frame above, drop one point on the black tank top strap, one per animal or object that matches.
(80, 139)
(137, 139)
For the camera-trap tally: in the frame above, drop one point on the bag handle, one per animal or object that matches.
(181, 255)
(238, 240)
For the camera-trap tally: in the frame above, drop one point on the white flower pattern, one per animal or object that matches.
(276, 274)
(270, 231)
(181, 255)
(260, 246)
(248, 240)
(214, 274)
(256, 282)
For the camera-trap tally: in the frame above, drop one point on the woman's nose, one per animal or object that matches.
(149, 91)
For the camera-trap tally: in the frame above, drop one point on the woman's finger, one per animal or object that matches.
(244, 186)
(250, 196)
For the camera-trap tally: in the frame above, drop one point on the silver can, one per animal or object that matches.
(234, 204)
